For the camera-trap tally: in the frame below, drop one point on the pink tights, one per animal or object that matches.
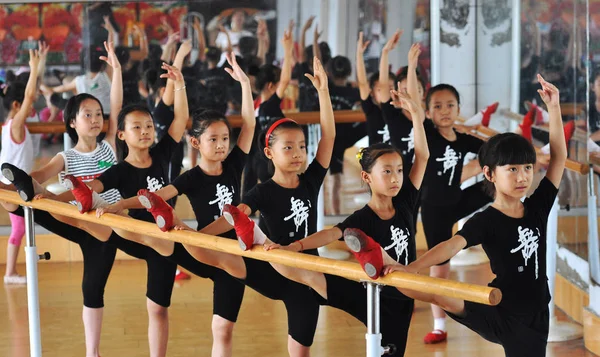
(18, 229)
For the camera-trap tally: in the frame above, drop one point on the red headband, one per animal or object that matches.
(273, 127)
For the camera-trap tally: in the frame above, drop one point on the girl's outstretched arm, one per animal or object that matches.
(361, 72)
(384, 63)
(184, 50)
(313, 241)
(412, 83)
(286, 68)
(319, 80)
(249, 120)
(177, 128)
(116, 92)
(558, 147)
(436, 255)
(17, 129)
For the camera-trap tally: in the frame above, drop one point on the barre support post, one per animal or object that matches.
(373, 335)
(33, 305)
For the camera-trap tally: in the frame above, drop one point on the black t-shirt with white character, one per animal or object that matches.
(208, 194)
(441, 184)
(289, 213)
(395, 235)
(400, 131)
(129, 179)
(377, 129)
(517, 250)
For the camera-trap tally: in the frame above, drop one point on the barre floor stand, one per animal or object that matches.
(559, 330)
(373, 336)
(33, 304)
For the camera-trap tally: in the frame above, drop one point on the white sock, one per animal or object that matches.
(439, 324)
(545, 149)
(98, 201)
(474, 120)
(592, 146)
(259, 236)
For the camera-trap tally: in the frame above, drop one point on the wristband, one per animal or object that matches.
(177, 90)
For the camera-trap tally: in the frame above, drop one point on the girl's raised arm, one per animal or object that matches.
(116, 92)
(361, 72)
(17, 129)
(182, 112)
(286, 68)
(384, 63)
(249, 120)
(319, 80)
(558, 147)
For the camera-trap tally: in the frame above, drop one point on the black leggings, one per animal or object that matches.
(439, 220)
(98, 257)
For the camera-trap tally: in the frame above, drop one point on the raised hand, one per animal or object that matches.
(413, 55)
(34, 59)
(549, 93)
(111, 57)
(404, 101)
(107, 24)
(319, 80)
(165, 23)
(197, 24)
(235, 71)
(308, 23)
(43, 49)
(173, 38)
(291, 25)
(173, 73)
(317, 34)
(360, 45)
(287, 41)
(393, 41)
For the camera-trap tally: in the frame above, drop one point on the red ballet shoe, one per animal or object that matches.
(365, 250)
(243, 225)
(160, 210)
(487, 114)
(81, 191)
(435, 336)
(569, 130)
(527, 124)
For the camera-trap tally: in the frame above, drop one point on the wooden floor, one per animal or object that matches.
(261, 329)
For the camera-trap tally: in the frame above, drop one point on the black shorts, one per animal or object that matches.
(519, 335)
(98, 257)
(439, 220)
(395, 313)
(161, 272)
(300, 302)
(228, 292)
(346, 135)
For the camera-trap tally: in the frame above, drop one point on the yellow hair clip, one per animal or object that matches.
(359, 154)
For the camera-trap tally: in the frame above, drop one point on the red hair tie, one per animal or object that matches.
(273, 127)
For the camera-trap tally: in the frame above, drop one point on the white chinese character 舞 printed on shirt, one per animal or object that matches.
(450, 159)
(529, 244)
(153, 184)
(410, 139)
(224, 196)
(400, 243)
(299, 214)
(385, 132)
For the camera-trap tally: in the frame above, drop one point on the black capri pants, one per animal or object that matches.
(98, 257)
(439, 220)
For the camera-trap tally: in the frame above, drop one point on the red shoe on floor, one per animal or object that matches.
(365, 250)
(160, 210)
(81, 191)
(243, 225)
(182, 276)
(487, 114)
(435, 336)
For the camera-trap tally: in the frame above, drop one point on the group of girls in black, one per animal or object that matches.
(129, 172)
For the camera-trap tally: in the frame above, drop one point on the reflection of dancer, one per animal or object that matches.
(228, 39)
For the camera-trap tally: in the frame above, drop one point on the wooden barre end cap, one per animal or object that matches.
(495, 297)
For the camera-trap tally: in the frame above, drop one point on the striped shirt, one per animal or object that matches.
(88, 166)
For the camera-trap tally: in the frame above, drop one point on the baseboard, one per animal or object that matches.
(591, 331)
(570, 298)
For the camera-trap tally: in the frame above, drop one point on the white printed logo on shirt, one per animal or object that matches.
(299, 214)
(400, 243)
(153, 184)
(224, 196)
(529, 244)
(450, 159)
(385, 132)
(410, 139)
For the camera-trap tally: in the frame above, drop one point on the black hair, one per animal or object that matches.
(154, 52)
(325, 53)
(122, 149)
(248, 46)
(23, 77)
(505, 149)
(369, 155)
(340, 67)
(267, 73)
(71, 110)
(375, 77)
(58, 101)
(15, 92)
(202, 119)
(439, 88)
(402, 74)
(123, 54)
(286, 125)
(153, 81)
(213, 54)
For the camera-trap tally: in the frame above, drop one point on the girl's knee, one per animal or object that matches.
(155, 310)
(222, 329)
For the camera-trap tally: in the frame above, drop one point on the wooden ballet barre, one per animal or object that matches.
(577, 135)
(350, 270)
(576, 166)
(341, 116)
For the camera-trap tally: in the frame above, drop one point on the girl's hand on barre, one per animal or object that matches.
(109, 209)
(182, 227)
(292, 247)
(398, 267)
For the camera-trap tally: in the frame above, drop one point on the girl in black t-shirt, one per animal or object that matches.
(513, 234)
(388, 218)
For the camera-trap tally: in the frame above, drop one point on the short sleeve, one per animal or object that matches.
(236, 160)
(407, 196)
(355, 220)
(110, 178)
(164, 149)
(253, 199)
(315, 174)
(543, 198)
(163, 117)
(368, 106)
(185, 182)
(474, 230)
(473, 144)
